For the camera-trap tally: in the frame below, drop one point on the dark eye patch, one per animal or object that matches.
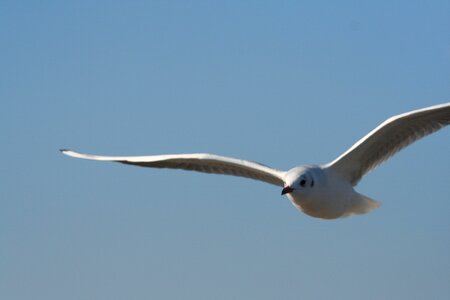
(312, 183)
(302, 182)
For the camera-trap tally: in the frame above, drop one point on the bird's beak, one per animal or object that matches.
(287, 189)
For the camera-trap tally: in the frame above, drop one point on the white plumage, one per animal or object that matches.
(324, 191)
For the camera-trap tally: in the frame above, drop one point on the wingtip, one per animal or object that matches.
(67, 152)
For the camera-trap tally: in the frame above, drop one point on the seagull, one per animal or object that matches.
(322, 191)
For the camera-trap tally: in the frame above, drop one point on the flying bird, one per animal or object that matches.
(322, 191)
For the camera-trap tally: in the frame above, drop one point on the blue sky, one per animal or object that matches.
(279, 82)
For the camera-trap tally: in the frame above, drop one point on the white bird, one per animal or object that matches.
(322, 191)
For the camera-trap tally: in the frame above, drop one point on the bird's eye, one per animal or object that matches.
(302, 182)
(312, 183)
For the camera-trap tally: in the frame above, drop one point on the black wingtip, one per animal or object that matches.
(63, 150)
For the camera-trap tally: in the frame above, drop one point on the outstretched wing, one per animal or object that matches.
(387, 139)
(207, 163)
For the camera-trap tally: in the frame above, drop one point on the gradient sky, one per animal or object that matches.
(279, 82)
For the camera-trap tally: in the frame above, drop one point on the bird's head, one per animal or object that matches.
(299, 181)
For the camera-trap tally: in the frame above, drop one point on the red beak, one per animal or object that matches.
(287, 190)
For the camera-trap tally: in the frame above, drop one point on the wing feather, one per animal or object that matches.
(388, 138)
(206, 163)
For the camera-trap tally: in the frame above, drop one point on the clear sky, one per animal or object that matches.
(278, 82)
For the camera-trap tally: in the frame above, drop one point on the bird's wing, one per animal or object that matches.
(207, 163)
(387, 139)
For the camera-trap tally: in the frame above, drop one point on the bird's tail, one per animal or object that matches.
(360, 204)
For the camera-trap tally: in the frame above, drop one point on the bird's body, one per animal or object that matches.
(322, 191)
(325, 195)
